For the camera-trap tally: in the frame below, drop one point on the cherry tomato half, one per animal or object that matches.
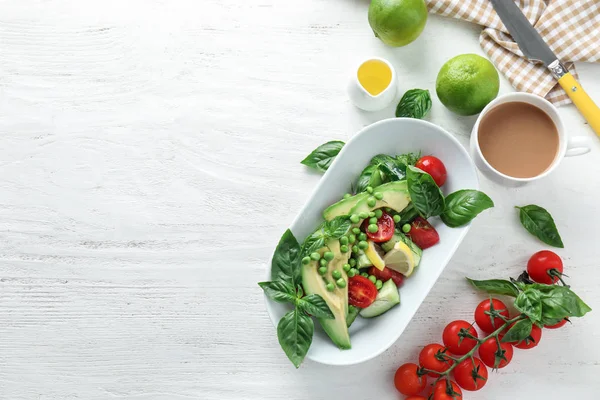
(407, 380)
(423, 234)
(471, 374)
(558, 325)
(488, 351)
(361, 291)
(435, 358)
(444, 391)
(533, 340)
(385, 230)
(434, 167)
(545, 267)
(387, 274)
(484, 321)
(453, 342)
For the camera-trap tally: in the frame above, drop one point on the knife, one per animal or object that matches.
(533, 46)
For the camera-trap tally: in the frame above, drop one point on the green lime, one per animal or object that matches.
(397, 22)
(467, 83)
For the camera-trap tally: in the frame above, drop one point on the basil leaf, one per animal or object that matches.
(338, 227)
(529, 303)
(314, 242)
(540, 224)
(390, 167)
(315, 306)
(415, 103)
(280, 291)
(558, 302)
(322, 157)
(519, 331)
(295, 332)
(370, 176)
(424, 193)
(464, 205)
(406, 159)
(285, 264)
(496, 286)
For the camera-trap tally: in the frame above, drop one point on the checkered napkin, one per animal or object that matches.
(570, 27)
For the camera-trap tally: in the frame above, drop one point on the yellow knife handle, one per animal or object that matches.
(580, 98)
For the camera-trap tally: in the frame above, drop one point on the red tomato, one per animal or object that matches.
(471, 374)
(534, 338)
(387, 274)
(545, 267)
(361, 291)
(407, 380)
(489, 350)
(484, 321)
(451, 339)
(422, 233)
(415, 398)
(386, 228)
(434, 167)
(434, 357)
(556, 326)
(444, 391)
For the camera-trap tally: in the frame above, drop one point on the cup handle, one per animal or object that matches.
(577, 146)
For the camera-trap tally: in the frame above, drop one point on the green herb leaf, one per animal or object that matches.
(464, 205)
(424, 193)
(314, 242)
(295, 332)
(495, 286)
(370, 176)
(315, 306)
(558, 302)
(407, 159)
(540, 224)
(415, 103)
(285, 264)
(280, 291)
(519, 331)
(338, 227)
(391, 168)
(322, 157)
(529, 303)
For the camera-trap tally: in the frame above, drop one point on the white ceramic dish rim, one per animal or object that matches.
(466, 228)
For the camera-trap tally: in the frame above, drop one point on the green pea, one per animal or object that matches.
(351, 238)
(323, 262)
(344, 240)
(371, 214)
(356, 231)
(354, 219)
(388, 210)
(373, 220)
(397, 218)
(355, 271)
(352, 262)
(371, 201)
(372, 278)
(315, 256)
(355, 249)
(347, 195)
(378, 213)
(363, 215)
(346, 267)
(406, 228)
(305, 260)
(322, 270)
(372, 228)
(369, 189)
(336, 274)
(330, 287)
(328, 255)
(364, 274)
(362, 236)
(344, 248)
(363, 245)
(378, 195)
(341, 283)
(351, 273)
(378, 284)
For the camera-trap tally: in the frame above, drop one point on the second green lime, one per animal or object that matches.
(397, 22)
(467, 83)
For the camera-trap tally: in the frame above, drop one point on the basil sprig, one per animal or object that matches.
(322, 157)
(495, 286)
(415, 103)
(464, 205)
(424, 193)
(519, 331)
(540, 224)
(295, 330)
(383, 168)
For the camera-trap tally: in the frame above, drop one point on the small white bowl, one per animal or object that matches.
(365, 100)
(391, 136)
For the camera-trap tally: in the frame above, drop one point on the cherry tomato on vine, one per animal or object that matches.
(453, 342)
(434, 167)
(545, 267)
(435, 358)
(407, 380)
(489, 350)
(558, 325)
(531, 341)
(443, 391)
(385, 228)
(471, 374)
(484, 321)
(386, 275)
(361, 291)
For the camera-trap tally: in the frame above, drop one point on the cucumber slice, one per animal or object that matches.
(387, 298)
(352, 314)
(362, 261)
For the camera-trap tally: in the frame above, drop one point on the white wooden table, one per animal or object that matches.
(149, 162)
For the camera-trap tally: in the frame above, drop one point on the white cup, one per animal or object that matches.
(567, 147)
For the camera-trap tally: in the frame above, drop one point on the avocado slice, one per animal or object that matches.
(399, 236)
(387, 298)
(343, 207)
(395, 196)
(337, 300)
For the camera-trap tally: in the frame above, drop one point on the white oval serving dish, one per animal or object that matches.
(391, 136)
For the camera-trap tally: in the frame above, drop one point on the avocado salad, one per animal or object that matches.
(354, 263)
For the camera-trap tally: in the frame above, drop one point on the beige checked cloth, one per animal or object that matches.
(570, 27)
